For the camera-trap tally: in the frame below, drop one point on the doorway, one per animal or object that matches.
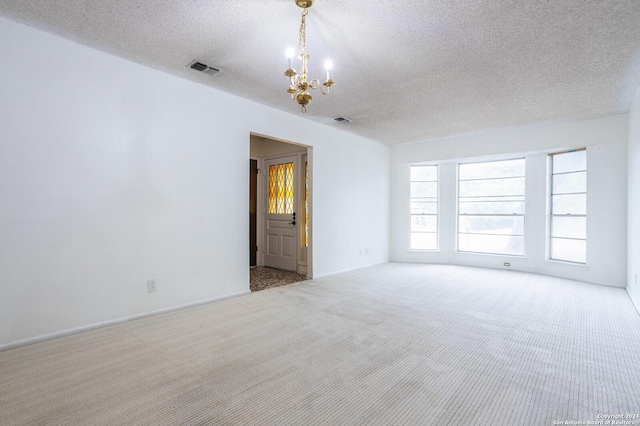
(280, 205)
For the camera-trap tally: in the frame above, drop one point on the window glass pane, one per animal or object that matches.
(492, 169)
(491, 207)
(569, 227)
(489, 199)
(424, 207)
(492, 187)
(571, 203)
(495, 244)
(424, 189)
(500, 198)
(428, 173)
(424, 241)
(508, 225)
(569, 250)
(273, 189)
(424, 223)
(568, 222)
(570, 162)
(280, 189)
(570, 182)
(289, 189)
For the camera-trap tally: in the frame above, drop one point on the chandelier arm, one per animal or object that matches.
(316, 85)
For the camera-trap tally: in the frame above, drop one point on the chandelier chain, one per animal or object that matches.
(302, 46)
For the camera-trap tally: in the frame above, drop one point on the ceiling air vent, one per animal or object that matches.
(199, 66)
(342, 119)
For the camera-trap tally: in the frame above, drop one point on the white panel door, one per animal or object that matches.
(281, 231)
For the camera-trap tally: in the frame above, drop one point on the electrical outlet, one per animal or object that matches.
(151, 286)
(507, 264)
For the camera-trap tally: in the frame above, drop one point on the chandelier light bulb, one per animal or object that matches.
(328, 65)
(290, 52)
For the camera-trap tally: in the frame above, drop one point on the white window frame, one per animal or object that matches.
(459, 214)
(437, 209)
(551, 214)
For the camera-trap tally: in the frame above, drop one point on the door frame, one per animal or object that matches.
(306, 266)
(253, 212)
(258, 224)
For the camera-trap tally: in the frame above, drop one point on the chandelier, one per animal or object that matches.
(299, 84)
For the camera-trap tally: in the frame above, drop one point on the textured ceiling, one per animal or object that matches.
(404, 71)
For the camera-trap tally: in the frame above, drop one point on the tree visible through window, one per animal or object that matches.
(491, 207)
(424, 207)
(568, 216)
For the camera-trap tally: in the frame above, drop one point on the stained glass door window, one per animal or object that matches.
(281, 188)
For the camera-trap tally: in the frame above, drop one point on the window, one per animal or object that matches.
(491, 207)
(281, 188)
(568, 206)
(424, 207)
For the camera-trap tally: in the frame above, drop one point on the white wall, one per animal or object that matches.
(606, 140)
(634, 202)
(112, 173)
(266, 148)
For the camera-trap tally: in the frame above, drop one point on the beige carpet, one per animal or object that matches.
(262, 277)
(390, 345)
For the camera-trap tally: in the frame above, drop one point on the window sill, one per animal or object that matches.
(516, 256)
(565, 262)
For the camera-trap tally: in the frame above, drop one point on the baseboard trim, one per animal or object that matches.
(515, 268)
(94, 326)
(315, 277)
(633, 300)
